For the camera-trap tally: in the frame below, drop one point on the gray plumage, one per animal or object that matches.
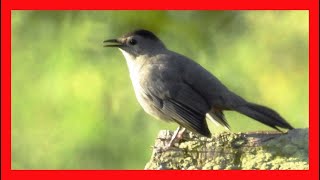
(172, 87)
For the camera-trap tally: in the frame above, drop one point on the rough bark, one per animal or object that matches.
(252, 150)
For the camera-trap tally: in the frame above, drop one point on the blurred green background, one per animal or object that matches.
(73, 105)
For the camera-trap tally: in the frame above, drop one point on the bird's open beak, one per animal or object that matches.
(112, 43)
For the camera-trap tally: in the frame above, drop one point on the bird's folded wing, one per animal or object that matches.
(183, 105)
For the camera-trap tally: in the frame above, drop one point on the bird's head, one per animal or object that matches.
(136, 43)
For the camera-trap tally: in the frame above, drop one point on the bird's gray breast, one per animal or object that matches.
(141, 76)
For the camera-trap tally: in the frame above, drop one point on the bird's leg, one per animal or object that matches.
(177, 135)
(180, 134)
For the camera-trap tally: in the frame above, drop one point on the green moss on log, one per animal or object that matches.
(258, 150)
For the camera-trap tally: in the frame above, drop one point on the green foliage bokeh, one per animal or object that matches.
(73, 105)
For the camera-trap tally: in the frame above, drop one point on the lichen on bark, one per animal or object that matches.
(253, 150)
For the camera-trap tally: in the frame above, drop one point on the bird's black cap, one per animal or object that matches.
(143, 33)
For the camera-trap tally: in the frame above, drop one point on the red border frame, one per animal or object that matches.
(7, 6)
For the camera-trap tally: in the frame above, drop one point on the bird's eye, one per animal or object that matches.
(132, 41)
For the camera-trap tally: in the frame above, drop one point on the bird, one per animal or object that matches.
(174, 88)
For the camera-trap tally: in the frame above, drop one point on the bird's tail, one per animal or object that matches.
(264, 115)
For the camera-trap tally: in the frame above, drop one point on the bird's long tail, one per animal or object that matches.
(264, 115)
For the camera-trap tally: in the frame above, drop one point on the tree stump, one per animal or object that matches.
(251, 150)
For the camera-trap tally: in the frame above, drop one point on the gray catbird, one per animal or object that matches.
(172, 87)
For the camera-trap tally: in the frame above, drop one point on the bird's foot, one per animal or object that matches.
(176, 138)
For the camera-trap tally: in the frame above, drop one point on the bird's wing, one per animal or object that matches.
(206, 84)
(176, 99)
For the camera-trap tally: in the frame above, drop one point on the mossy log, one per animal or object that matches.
(252, 150)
